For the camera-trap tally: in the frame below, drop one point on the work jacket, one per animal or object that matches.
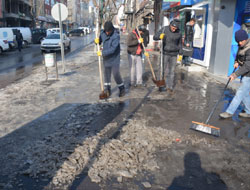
(133, 44)
(243, 58)
(111, 48)
(172, 42)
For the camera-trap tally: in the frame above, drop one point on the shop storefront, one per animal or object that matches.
(184, 10)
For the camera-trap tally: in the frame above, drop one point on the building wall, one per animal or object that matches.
(220, 57)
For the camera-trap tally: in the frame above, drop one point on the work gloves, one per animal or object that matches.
(140, 40)
(97, 41)
(146, 54)
(162, 36)
(99, 53)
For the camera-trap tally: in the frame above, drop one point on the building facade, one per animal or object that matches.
(16, 13)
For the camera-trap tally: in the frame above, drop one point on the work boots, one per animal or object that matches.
(122, 91)
(107, 90)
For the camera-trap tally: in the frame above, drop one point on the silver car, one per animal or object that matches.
(53, 43)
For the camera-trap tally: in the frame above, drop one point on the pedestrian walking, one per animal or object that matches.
(243, 62)
(172, 46)
(111, 57)
(188, 41)
(135, 52)
(19, 39)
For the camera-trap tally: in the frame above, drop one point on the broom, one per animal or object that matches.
(205, 127)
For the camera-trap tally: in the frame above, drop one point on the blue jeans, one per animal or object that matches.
(242, 95)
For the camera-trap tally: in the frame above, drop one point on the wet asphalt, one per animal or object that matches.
(15, 65)
(195, 95)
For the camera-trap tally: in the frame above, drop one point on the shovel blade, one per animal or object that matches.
(103, 95)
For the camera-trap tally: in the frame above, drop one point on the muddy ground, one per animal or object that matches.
(58, 135)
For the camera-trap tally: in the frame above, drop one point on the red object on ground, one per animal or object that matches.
(177, 140)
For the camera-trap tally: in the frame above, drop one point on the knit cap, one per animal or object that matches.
(241, 35)
(108, 26)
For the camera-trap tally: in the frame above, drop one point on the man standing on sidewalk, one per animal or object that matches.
(172, 46)
(242, 60)
(188, 40)
(135, 52)
(111, 57)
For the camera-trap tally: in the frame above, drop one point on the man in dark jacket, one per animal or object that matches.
(172, 46)
(19, 39)
(188, 40)
(135, 52)
(111, 57)
(243, 61)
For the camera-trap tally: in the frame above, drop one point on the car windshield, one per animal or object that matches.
(53, 36)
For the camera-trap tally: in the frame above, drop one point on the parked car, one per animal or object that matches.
(85, 29)
(53, 43)
(8, 34)
(4, 45)
(76, 32)
(38, 35)
(26, 33)
(53, 31)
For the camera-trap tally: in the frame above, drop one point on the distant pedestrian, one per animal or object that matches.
(19, 39)
(188, 39)
(172, 46)
(243, 61)
(135, 52)
(111, 57)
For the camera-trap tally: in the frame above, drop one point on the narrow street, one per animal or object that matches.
(16, 65)
(59, 135)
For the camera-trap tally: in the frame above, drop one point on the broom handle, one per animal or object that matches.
(98, 49)
(215, 106)
(149, 62)
(162, 60)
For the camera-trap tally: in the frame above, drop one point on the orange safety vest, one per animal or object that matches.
(139, 49)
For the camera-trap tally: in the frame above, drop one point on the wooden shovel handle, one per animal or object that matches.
(149, 62)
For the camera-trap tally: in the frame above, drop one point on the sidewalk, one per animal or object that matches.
(61, 136)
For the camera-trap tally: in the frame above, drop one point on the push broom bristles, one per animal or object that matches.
(205, 128)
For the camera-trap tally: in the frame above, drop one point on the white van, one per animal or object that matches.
(26, 33)
(8, 34)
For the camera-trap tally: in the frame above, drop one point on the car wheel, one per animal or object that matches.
(1, 50)
(42, 51)
(70, 35)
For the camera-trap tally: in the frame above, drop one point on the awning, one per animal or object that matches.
(41, 18)
(191, 9)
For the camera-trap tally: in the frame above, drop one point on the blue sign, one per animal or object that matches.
(165, 5)
(190, 2)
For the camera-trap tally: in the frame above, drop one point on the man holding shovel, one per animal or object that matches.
(243, 61)
(135, 52)
(172, 46)
(111, 57)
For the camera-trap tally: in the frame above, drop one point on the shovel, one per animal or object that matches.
(102, 95)
(157, 82)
